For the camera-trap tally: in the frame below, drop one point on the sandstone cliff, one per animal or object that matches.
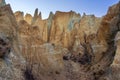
(10, 57)
(65, 46)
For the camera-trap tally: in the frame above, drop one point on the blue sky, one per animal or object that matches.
(97, 7)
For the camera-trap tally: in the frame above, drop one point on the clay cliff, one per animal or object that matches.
(65, 46)
(11, 60)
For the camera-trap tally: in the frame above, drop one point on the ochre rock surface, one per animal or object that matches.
(65, 46)
(11, 61)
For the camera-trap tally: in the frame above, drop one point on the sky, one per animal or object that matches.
(96, 7)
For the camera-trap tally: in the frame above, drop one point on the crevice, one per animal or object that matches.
(28, 74)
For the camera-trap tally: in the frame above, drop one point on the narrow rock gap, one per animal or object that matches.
(28, 74)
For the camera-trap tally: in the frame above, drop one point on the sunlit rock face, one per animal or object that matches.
(28, 18)
(19, 16)
(65, 46)
(69, 46)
